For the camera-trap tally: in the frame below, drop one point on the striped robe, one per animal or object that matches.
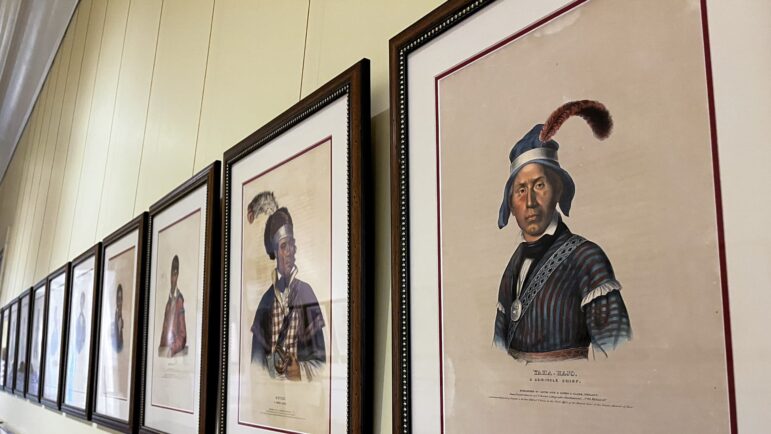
(579, 304)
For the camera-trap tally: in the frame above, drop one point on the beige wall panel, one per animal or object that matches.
(48, 144)
(29, 191)
(340, 32)
(130, 116)
(62, 109)
(254, 70)
(13, 238)
(13, 180)
(175, 99)
(62, 203)
(99, 126)
(88, 37)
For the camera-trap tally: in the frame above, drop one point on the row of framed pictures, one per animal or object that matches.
(144, 332)
(520, 321)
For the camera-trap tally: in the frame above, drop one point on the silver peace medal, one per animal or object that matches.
(516, 310)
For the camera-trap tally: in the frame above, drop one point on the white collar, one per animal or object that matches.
(550, 230)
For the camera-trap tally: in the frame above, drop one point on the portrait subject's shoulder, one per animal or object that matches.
(266, 301)
(305, 292)
(590, 251)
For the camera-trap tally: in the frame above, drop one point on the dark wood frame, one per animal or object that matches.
(422, 32)
(38, 286)
(15, 330)
(210, 321)
(354, 82)
(55, 404)
(96, 252)
(3, 332)
(21, 390)
(138, 224)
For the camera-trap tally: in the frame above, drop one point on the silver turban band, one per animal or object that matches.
(534, 154)
(281, 233)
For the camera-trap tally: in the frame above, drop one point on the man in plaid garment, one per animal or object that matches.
(287, 331)
(558, 295)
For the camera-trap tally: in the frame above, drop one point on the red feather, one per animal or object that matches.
(593, 112)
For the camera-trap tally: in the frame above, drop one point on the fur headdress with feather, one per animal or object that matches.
(263, 203)
(279, 222)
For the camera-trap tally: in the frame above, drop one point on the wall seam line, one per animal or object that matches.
(112, 120)
(66, 72)
(203, 88)
(147, 109)
(88, 123)
(305, 48)
(72, 118)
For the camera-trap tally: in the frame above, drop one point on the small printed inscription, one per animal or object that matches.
(564, 397)
(279, 408)
(561, 397)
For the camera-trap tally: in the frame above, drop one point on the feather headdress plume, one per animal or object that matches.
(263, 203)
(593, 112)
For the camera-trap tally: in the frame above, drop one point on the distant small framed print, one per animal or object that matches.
(36, 341)
(12, 336)
(79, 363)
(4, 319)
(179, 374)
(54, 337)
(294, 321)
(119, 327)
(22, 354)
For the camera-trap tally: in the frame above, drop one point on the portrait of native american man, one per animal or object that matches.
(287, 331)
(558, 296)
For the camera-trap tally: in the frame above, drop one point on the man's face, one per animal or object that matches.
(534, 197)
(119, 300)
(173, 277)
(285, 255)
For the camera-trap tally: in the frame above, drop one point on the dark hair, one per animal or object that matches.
(175, 263)
(119, 289)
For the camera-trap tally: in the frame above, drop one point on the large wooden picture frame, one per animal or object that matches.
(298, 185)
(79, 364)
(479, 94)
(54, 338)
(118, 330)
(179, 375)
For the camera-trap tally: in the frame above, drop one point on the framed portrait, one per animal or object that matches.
(54, 337)
(35, 358)
(4, 320)
(77, 381)
(534, 281)
(12, 311)
(22, 354)
(119, 327)
(179, 371)
(294, 320)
